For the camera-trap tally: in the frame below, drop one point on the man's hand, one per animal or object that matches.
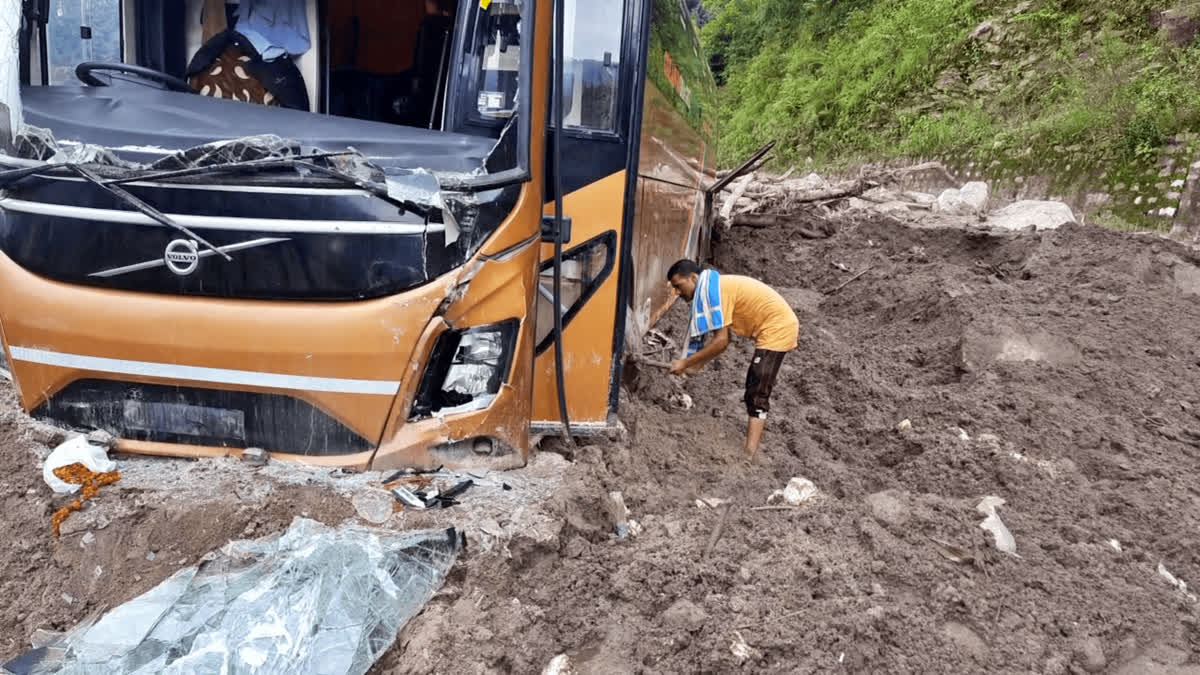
(678, 367)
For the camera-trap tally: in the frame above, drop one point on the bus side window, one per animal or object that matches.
(82, 30)
(592, 54)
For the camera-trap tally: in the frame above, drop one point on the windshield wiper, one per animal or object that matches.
(156, 215)
(238, 166)
(113, 185)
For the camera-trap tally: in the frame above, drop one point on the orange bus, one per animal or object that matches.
(349, 232)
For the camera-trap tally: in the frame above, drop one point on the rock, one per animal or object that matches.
(373, 506)
(949, 80)
(1179, 25)
(47, 435)
(685, 614)
(880, 195)
(618, 514)
(904, 426)
(255, 456)
(975, 195)
(922, 198)
(1090, 655)
(809, 183)
(965, 639)
(102, 439)
(151, 556)
(889, 507)
(89, 519)
(971, 199)
(1039, 214)
(983, 30)
(1187, 279)
(892, 208)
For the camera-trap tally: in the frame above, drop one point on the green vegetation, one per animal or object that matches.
(844, 80)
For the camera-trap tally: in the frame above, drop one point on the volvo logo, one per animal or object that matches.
(182, 257)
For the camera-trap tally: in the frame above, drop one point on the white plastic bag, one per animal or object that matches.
(993, 524)
(76, 450)
(799, 490)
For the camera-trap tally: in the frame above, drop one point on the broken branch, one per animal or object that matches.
(851, 280)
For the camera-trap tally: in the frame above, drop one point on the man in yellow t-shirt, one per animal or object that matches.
(751, 309)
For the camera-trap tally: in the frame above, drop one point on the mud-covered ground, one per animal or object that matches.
(1057, 371)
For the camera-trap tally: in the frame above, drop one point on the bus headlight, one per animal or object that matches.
(466, 370)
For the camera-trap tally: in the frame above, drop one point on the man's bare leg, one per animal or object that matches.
(754, 432)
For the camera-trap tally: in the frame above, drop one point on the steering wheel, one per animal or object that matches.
(86, 72)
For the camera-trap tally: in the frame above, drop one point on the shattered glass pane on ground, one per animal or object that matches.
(313, 599)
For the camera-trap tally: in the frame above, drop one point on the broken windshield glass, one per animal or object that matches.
(313, 599)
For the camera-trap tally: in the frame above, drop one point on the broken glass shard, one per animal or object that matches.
(313, 599)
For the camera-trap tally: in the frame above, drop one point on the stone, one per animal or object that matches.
(889, 507)
(88, 519)
(892, 208)
(983, 30)
(255, 456)
(965, 639)
(970, 200)
(922, 198)
(47, 435)
(373, 506)
(1179, 26)
(1090, 655)
(1041, 215)
(102, 439)
(1187, 279)
(685, 614)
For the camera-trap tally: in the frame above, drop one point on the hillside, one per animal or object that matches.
(1010, 85)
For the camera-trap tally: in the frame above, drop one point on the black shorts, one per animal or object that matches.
(760, 380)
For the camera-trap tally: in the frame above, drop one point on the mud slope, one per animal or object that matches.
(1057, 371)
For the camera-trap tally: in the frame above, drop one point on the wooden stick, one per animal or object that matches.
(851, 279)
(716, 533)
(775, 508)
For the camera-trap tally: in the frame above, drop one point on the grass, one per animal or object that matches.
(840, 81)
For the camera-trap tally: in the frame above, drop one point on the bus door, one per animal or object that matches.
(601, 62)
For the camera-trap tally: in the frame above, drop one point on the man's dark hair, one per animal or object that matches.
(684, 267)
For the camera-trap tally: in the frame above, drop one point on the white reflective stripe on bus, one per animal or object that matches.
(220, 222)
(172, 371)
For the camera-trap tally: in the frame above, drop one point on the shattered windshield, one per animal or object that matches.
(423, 84)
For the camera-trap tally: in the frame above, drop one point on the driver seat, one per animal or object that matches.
(228, 66)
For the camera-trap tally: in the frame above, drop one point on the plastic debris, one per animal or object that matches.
(1116, 545)
(1176, 582)
(90, 484)
(430, 497)
(741, 650)
(373, 506)
(904, 425)
(992, 523)
(559, 665)
(75, 451)
(799, 491)
(312, 599)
